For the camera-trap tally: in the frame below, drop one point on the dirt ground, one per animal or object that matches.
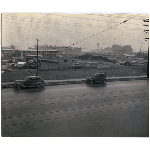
(70, 73)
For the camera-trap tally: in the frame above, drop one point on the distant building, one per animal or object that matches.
(106, 50)
(127, 49)
(8, 50)
(119, 49)
(44, 50)
(62, 49)
(66, 62)
(98, 47)
(43, 53)
(56, 64)
(48, 64)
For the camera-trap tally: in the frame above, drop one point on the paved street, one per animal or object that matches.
(116, 109)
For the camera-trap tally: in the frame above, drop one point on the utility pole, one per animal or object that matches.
(37, 58)
(147, 39)
(140, 50)
(58, 61)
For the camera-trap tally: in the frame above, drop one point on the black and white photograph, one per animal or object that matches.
(74, 75)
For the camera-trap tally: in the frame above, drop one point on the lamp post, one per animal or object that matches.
(37, 58)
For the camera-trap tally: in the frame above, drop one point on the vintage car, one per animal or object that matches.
(97, 78)
(31, 81)
(76, 66)
(128, 63)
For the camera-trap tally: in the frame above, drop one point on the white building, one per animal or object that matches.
(44, 53)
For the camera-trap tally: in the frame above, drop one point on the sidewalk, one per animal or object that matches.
(80, 81)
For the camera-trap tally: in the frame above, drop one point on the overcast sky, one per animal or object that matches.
(76, 30)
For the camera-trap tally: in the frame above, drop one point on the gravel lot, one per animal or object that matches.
(70, 73)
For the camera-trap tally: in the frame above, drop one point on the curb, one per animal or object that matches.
(65, 82)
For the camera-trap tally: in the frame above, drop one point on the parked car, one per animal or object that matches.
(77, 65)
(127, 63)
(97, 78)
(33, 67)
(122, 63)
(31, 81)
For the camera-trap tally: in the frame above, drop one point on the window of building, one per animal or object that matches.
(65, 60)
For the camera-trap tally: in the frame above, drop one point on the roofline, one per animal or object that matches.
(34, 55)
(36, 50)
(49, 61)
(4, 49)
(33, 76)
(100, 73)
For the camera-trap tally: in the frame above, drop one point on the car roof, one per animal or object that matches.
(33, 77)
(100, 73)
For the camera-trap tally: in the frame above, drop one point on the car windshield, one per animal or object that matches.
(96, 75)
(99, 75)
(38, 78)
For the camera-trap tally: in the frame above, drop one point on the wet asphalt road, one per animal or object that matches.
(116, 109)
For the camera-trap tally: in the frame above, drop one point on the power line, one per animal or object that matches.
(107, 29)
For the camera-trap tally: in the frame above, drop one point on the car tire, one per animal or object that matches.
(18, 86)
(103, 81)
(92, 82)
(87, 81)
(39, 85)
(15, 85)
